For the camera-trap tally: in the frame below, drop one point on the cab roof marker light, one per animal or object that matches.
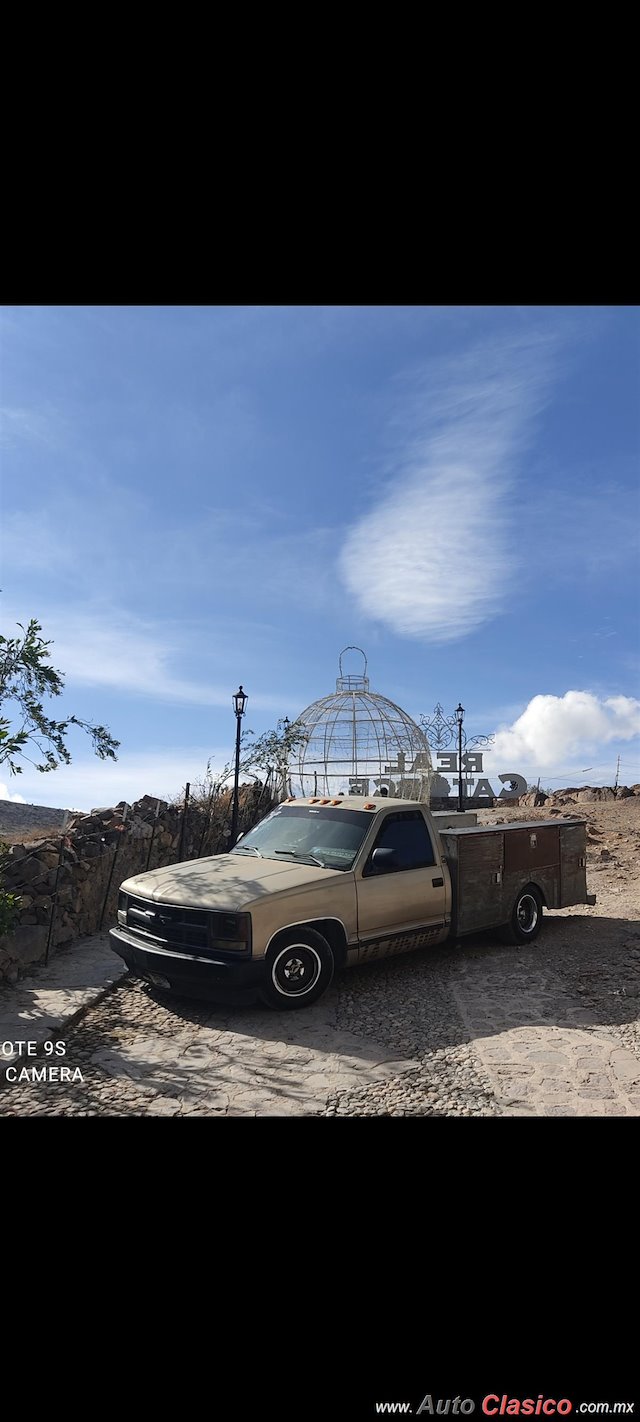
(369, 806)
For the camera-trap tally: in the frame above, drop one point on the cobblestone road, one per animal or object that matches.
(478, 1029)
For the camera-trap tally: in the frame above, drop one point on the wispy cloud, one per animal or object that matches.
(592, 532)
(44, 426)
(108, 647)
(89, 782)
(434, 557)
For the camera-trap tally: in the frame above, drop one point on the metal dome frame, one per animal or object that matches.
(359, 742)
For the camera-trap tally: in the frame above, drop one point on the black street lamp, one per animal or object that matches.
(239, 699)
(459, 715)
(285, 764)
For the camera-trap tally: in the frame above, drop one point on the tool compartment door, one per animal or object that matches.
(532, 853)
(573, 865)
(480, 881)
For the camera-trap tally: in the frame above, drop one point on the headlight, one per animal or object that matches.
(230, 932)
(123, 900)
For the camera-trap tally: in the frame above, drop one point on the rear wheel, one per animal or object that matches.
(300, 968)
(526, 920)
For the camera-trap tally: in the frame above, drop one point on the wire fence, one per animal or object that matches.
(115, 853)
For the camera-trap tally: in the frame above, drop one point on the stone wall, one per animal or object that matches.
(68, 884)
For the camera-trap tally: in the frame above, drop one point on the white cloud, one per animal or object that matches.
(435, 556)
(88, 782)
(5, 795)
(554, 730)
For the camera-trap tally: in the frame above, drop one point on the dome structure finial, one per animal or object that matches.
(359, 743)
(352, 683)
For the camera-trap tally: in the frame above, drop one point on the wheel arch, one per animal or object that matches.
(533, 884)
(332, 929)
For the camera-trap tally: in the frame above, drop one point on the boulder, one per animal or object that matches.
(49, 858)
(25, 871)
(89, 850)
(29, 942)
(149, 802)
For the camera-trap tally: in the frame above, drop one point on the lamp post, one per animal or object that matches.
(285, 764)
(459, 715)
(239, 699)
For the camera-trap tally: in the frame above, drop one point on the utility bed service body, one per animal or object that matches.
(320, 884)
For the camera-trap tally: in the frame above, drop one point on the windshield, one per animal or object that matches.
(312, 834)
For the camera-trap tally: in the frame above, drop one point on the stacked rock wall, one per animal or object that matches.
(68, 884)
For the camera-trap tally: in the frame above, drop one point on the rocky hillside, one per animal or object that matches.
(579, 795)
(19, 820)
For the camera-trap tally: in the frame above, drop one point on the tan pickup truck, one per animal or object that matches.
(321, 884)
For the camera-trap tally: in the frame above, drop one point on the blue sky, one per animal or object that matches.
(194, 497)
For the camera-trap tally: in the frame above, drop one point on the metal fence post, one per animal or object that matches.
(120, 829)
(153, 834)
(184, 821)
(55, 887)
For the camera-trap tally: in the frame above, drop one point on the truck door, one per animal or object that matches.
(410, 895)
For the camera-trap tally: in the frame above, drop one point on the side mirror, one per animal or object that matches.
(382, 860)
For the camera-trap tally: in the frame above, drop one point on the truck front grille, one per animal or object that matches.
(165, 923)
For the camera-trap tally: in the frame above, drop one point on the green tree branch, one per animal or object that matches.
(26, 677)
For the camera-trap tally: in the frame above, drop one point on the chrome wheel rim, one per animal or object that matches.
(296, 970)
(527, 913)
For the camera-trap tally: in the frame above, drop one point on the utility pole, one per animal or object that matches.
(617, 774)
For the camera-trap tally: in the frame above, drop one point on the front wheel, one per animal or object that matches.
(299, 970)
(526, 920)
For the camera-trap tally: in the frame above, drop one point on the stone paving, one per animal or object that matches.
(540, 1058)
(475, 1029)
(140, 1056)
(53, 996)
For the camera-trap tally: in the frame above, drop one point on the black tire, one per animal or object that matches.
(526, 920)
(300, 968)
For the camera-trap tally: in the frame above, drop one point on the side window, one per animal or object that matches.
(407, 834)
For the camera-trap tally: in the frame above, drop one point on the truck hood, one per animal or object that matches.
(225, 881)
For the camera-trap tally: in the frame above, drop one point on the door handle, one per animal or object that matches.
(437, 883)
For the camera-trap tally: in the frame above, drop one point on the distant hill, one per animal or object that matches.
(16, 820)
